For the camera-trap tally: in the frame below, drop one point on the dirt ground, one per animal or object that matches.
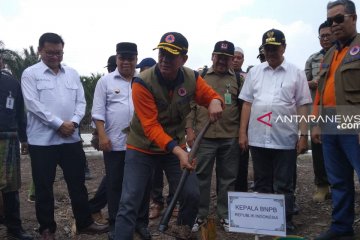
(312, 219)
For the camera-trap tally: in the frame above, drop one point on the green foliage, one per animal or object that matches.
(89, 84)
(18, 62)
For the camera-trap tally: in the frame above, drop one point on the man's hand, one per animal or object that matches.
(190, 137)
(104, 143)
(24, 148)
(302, 145)
(316, 134)
(184, 158)
(66, 129)
(215, 110)
(313, 84)
(243, 142)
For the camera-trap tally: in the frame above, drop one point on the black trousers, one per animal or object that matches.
(99, 200)
(11, 210)
(44, 160)
(114, 168)
(241, 183)
(274, 173)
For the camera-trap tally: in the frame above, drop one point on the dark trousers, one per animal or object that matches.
(44, 160)
(318, 165)
(241, 183)
(139, 168)
(99, 200)
(274, 173)
(11, 210)
(157, 185)
(342, 157)
(114, 168)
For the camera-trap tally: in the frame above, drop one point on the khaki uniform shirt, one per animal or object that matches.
(312, 68)
(228, 125)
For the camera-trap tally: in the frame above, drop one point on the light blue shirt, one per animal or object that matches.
(274, 93)
(50, 100)
(113, 104)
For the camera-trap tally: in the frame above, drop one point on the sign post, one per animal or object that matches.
(257, 213)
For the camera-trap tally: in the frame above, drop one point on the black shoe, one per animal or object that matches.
(290, 228)
(143, 232)
(18, 234)
(330, 235)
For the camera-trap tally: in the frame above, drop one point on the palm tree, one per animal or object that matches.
(89, 84)
(16, 62)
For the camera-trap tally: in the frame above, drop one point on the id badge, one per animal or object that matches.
(227, 97)
(10, 102)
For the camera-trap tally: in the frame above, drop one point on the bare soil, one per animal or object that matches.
(312, 219)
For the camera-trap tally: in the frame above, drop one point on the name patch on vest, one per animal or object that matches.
(354, 50)
(182, 92)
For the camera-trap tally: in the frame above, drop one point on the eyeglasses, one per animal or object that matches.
(323, 36)
(338, 19)
(54, 54)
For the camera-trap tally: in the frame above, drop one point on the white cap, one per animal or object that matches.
(238, 49)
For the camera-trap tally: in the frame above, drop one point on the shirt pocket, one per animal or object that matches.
(350, 79)
(71, 89)
(46, 90)
(287, 93)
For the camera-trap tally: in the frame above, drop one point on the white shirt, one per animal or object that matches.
(50, 100)
(274, 93)
(113, 104)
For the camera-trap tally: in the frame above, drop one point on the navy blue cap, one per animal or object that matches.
(173, 42)
(146, 62)
(224, 48)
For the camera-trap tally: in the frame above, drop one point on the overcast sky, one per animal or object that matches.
(91, 29)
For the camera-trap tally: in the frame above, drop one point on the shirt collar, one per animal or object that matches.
(45, 68)
(211, 71)
(283, 66)
(117, 74)
(348, 42)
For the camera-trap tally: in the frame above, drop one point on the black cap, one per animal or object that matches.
(261, 51)
(224, 48)
(173, 42)
(146, 62)
(111, 62)
(126, 48)
(273, 37)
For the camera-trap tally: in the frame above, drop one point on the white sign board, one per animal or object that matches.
(257, 213)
